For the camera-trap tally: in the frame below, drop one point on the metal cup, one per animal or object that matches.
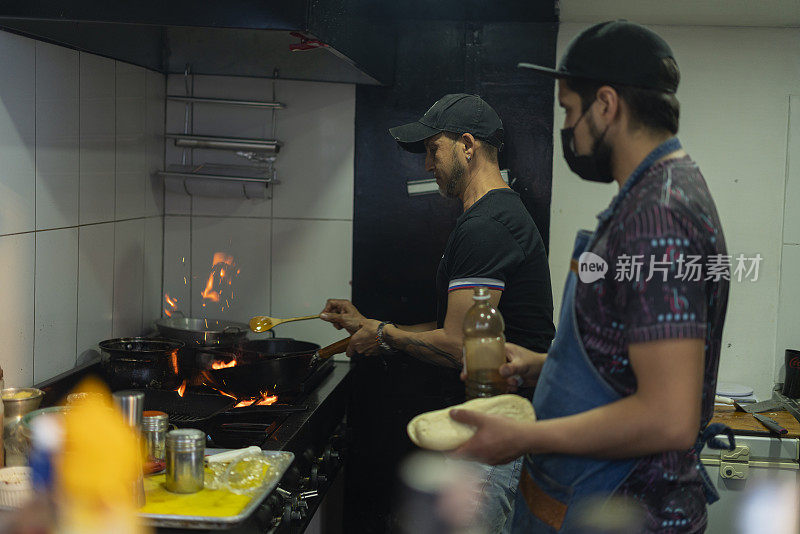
(131, 404)
(791, 386)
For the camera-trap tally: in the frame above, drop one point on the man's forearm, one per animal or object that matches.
(422, 327)
(433, 346)
(623, 429)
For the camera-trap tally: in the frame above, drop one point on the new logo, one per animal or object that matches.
(591, 267)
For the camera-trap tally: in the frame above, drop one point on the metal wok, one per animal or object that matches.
(196, 332)
(136, 362)
(272, 365)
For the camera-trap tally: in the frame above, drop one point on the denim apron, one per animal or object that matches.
(569, 384)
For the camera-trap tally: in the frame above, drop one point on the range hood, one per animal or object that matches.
(231, 38)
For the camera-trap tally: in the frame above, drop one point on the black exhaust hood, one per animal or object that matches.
(231, 38)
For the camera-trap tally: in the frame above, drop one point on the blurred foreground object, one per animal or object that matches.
(439, 496)
(609, 515)
(770, 506)
(99, 468)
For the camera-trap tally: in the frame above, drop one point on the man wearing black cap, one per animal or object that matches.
(634, 364)
(495, 244)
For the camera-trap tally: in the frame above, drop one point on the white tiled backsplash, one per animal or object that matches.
(82, 224)
(81, 218)
(294, 250)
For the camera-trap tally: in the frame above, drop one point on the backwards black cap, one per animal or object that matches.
(616, 52)
(456, 113)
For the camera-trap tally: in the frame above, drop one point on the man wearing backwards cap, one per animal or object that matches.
(625, 393)
(495, 244)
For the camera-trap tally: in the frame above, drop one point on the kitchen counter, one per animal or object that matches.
(745, 424)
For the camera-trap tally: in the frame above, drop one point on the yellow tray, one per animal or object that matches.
(207, 509)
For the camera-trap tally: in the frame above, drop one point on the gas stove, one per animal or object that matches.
(307, 422)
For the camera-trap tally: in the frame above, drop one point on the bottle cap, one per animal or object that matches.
(481, 293)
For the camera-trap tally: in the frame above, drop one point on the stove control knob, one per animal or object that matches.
(330, 456)
(267, 512)
(317, 479)
(287, 513)
(333, 454)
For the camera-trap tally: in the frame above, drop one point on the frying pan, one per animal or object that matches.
(196, 332)
(137, 362)
(192, 410)
(273, 365)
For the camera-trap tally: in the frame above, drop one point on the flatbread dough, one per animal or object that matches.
(437, 431)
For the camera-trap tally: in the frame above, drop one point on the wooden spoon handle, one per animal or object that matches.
(340, 346)
(279, 321)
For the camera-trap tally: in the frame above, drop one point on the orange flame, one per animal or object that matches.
(223, 365)
(182, 388)
(223, 392)
(173, 359)
(264, 400)
(221, 263)
(172, 305)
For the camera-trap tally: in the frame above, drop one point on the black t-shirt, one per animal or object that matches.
(496, 244)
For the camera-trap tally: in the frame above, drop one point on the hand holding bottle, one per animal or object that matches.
(523, 366)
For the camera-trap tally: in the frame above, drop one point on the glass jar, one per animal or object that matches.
(154, 433)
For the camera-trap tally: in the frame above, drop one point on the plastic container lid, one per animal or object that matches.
(733, 390)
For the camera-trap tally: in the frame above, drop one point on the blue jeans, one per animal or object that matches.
(499, 491)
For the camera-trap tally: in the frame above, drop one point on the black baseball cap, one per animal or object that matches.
(457, 113)
(615, 52)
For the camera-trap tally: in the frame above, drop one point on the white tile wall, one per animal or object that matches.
(248, 241)
(55, 302)
(17, 134)
(131, 147)
(78, 136)
(97, 130)
(315, 165)
(178, 262)
(57, 146)
(16, 328)
(128, 277)
(311, 262)
(295, 250)
(152, 274)
(95, 285)
(154, 129)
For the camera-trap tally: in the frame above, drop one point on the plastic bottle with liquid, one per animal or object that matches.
(484, 347)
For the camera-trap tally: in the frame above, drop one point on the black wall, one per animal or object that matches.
(398, 240)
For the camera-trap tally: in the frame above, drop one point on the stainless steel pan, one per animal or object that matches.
(195, 332)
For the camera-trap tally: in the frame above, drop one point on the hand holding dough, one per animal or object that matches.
(437, 431)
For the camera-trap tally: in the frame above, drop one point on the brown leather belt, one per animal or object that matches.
(547, 509)
(573, 266)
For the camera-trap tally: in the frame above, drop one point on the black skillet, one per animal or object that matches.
(273, 365)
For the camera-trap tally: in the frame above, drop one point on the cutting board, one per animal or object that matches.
(745, 424)
(206, 502)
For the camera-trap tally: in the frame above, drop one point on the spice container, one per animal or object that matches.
(154, 432)
(184, 457)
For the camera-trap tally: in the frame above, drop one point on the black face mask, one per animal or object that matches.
(594, 167)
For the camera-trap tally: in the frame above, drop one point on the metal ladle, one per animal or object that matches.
(262, 323)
